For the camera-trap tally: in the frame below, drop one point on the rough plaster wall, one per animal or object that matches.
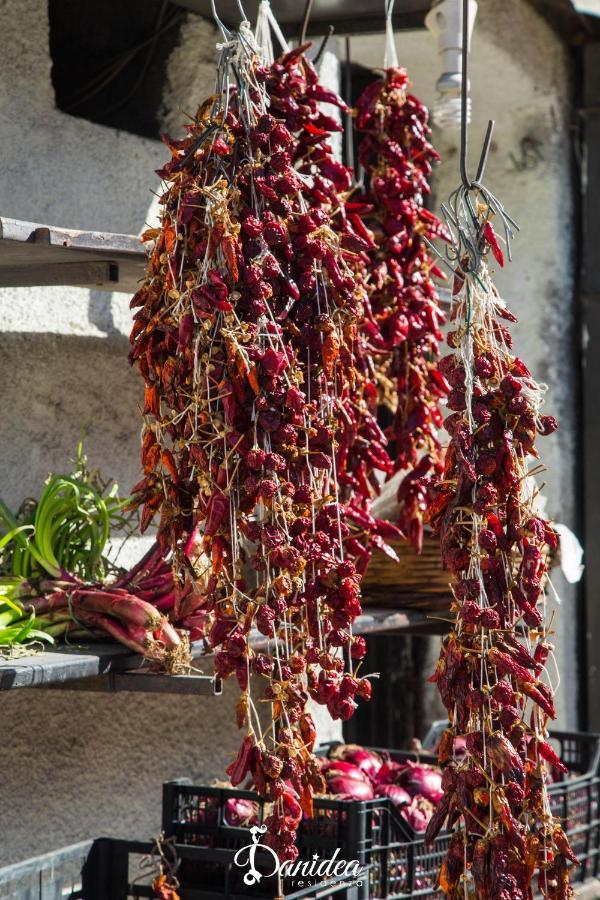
(61, 170)
(81, 766)
(520, 76)
(55, 386)
(190, 72)
(57, 168)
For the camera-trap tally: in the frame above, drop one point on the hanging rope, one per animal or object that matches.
(265, 24)
(262, 33)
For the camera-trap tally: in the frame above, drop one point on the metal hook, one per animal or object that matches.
(305, 21)
(470, 185)
(241, 9)
(324, 43)
(224, 31)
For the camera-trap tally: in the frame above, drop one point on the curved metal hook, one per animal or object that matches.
(241, 9)
(224, 31)
(305, 21)
(464, 90)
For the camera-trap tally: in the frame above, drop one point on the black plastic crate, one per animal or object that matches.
(53, 876)
(197, 816)
(112, 869)
(116, 871)
(372, 831)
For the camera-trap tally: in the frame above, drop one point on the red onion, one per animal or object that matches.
(421, 779)
(418, 813)
(460, 746)
(388, 773)
(367, 760)
(398, 795)
(332, 767)
(349, 788)
(240, 813)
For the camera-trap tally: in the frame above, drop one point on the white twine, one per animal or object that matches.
(265, 24)
(262, 33)
(390, 57)
(277, 30)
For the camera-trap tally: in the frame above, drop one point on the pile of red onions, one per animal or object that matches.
(357, 773)
(139, 609)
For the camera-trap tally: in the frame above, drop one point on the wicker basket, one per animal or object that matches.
(416, 582)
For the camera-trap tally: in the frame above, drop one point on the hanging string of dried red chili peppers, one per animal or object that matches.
(295, 95)
(491, 673)
(404, 318)
(246, 337)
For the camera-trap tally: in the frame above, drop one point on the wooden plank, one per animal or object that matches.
(68, 663)
(590, 289)
(144, 682)
(111, 667)
(79, 274)
(60, 665)
(109, 261)
(366, 16)
(382, 621)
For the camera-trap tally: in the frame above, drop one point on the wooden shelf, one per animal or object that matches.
(575, 21)
(102, 667)
(383, 621)
(111, 668)
(399, 621)
(32, 254)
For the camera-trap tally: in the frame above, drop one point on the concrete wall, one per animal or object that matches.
(80, 765)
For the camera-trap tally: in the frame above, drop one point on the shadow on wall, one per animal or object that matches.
(100, 313)
(86, 765)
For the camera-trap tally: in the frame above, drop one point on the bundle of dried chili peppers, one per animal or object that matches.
(404, 317)
(295, 98)
(491, 673)
(246, 335)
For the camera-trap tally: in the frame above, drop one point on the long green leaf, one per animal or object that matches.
(11, 535)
